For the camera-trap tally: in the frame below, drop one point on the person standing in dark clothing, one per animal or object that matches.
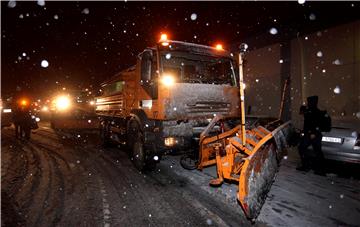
(22, 119)
(17, 121)
(311, 136)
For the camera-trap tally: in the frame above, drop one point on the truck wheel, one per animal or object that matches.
(138, 155)
(104, 134)
(132, 134)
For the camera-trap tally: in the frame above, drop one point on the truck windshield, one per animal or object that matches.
(195, 68)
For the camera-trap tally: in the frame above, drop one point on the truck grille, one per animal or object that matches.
(208, 107)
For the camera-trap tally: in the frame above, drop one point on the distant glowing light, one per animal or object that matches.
(92, 103)
(45, 108)
(273, 31)
(193, 16)
(337, 90)
(24, 102)
(44, 63)
(62, 103)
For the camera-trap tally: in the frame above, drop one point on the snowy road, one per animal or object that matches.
(66, 179)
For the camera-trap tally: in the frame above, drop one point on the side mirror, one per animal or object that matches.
(146, 63)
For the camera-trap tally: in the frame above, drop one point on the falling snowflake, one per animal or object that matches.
(85, 11)
(41, 2)
(156, 158)
(89, 121)
(168, 56)
(257, 80)
(24, 54)
(209, 221)
(324, 70)
(193, 16)
(44, 63)
(337, 62)
(312, 17)
(337, 90)
(12, 4)
(273, 31)
(56, 17)
(21, 16)
(281, 61)
(301, 1)
(358, 115)
(319, 54)
(341, 196)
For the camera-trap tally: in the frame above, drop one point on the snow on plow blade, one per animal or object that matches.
(253, 164)
(259, 170)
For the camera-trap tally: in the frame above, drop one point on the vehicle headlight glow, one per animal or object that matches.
(168, 80)
(62, 103)
(45, 108)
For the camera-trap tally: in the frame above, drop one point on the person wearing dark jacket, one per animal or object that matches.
(17, 122)
(311, 136)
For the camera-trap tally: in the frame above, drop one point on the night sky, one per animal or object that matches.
(88, 42)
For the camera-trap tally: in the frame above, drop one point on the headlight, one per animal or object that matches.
(62, 103)
(168, 80)
(170, 141)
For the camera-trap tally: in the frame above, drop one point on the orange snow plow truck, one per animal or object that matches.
(177, 97)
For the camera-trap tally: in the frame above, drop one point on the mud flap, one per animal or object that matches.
(257, 176)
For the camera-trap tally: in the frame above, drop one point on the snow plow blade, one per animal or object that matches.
(253, 164)
(260, 168)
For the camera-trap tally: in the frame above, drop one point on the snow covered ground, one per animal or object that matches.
(296, 198)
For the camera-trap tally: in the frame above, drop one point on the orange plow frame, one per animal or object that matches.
(253, 165)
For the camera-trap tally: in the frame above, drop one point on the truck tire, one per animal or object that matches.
(104, 134)
(132, 132)
(136, 147)
(138, 155)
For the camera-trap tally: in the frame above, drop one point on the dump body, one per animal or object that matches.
(172, 93)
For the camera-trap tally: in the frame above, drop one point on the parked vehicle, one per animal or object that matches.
(342, 144)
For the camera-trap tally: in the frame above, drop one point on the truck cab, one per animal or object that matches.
(165, 101)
